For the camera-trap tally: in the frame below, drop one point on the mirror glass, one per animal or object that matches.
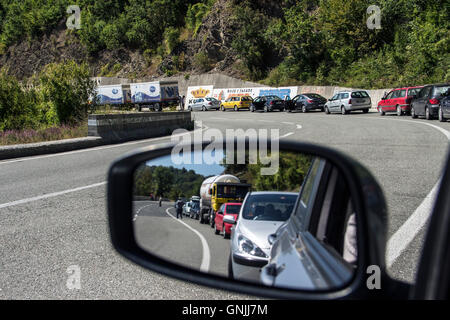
(285, 219)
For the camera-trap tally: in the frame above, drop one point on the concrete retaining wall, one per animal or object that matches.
(137, 125)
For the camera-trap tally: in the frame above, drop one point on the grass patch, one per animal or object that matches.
(11, 137)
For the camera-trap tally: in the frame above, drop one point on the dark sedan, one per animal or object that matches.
(306, 102)
(428, 101)
(267, 103)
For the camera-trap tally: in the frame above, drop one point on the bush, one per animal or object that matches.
(65, 88)
(202, 62)
(18, 108)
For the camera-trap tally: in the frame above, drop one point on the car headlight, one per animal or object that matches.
(247, 246)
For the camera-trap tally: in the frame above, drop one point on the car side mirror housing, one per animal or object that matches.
(348, 279)
(229, 219)
(271, 239)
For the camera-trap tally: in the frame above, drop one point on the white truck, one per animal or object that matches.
(117, 94)
(154, 95)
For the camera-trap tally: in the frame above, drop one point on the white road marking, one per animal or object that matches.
(299, 127)
(50, 195)
(401, 239)
(206, 255)
(289, 123)
(406, 233)
(267, 121)
(136, 215)
(286, 135)
(97, 148)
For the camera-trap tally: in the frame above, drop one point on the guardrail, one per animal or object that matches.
(137, 125)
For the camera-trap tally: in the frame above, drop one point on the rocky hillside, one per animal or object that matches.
(322, 42)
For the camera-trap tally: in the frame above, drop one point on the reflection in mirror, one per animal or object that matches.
(292, 229)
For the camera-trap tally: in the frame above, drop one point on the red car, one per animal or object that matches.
(231, 209)
(398, 101)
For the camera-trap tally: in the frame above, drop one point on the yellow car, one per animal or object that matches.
(236, 103)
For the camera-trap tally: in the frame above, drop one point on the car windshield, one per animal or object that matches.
(230, 191)
(359, 94)
(441, 90)
(246, 98)
(269, 207)
(232, 209)
(211, 99)
(270, 98)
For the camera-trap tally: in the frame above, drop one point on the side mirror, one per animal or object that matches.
(229, 219)
(334, 259)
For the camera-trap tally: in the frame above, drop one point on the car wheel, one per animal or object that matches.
(222, 108)
(236, 108)
(413, 113)
(399, 111)
(343, 111)
(216, 231)
(189, 109)
(204, 108)
(427, 113)
(365, 110)
(266, 109)
(380, 110)
(230, 268)
(327, 111)
(441, 115)
(304, 110)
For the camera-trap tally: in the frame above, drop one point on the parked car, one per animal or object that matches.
(204, 104)
(398, 101)
(267, 103)
(226, 210)
(306, 102)
(236, 103)
(444, 111)
(187, 208)
(261, 214)
(348, 101)
(194, 212)
(428, 101)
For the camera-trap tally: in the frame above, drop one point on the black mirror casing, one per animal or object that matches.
(368, 202)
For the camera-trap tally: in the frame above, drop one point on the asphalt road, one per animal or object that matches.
(44, 231)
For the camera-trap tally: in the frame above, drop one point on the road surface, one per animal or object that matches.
(53, 208)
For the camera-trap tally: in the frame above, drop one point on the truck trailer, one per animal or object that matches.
(154, 95)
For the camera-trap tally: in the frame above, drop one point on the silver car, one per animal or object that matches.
(347, 101)
(261, 215)
(204, 104)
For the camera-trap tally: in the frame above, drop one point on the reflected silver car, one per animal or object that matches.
(261, 215)
(204, 104)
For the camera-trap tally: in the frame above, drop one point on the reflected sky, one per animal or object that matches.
(200, 167)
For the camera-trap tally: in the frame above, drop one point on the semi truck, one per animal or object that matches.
(218, 190)
(154, 95)
(117, 94)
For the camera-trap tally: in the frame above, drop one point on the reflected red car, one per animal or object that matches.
(224, 228)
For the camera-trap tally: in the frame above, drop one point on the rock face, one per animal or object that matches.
(213, 42)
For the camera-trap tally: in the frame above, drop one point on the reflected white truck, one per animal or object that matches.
(154, 95)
